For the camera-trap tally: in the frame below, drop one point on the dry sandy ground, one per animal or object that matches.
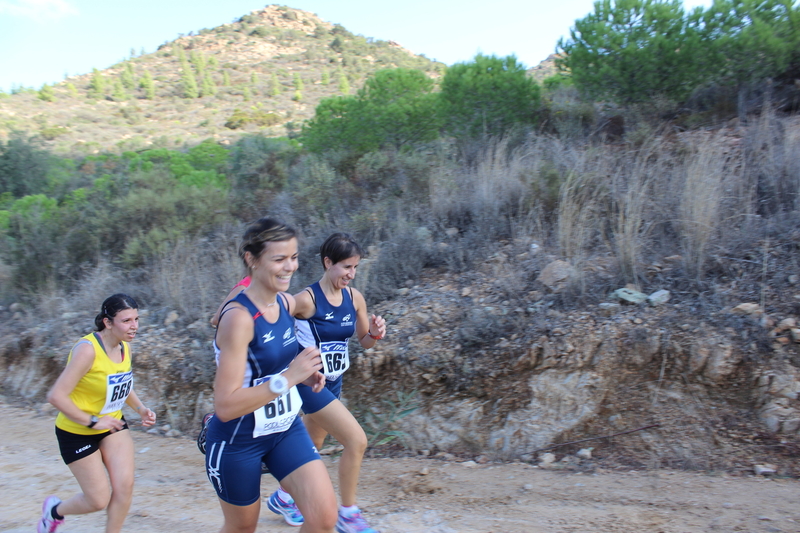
(173, 495)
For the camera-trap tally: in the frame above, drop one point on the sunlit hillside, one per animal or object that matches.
(266, 71)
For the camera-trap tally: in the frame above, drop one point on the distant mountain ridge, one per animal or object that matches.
(264, 72)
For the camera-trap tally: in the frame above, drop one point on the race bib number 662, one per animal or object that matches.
(335, 358)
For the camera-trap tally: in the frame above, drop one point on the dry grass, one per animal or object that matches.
(699, 195)
(701, 206)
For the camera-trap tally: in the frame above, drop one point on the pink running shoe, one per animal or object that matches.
(48, 524)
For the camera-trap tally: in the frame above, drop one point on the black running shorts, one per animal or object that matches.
(74, 446)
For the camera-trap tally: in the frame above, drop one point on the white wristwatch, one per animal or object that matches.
(278, 384)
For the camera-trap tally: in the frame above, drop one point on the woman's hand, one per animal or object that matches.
(377, 327)
(148, 417)
(304, 365)
(110, 423)
(315, 381)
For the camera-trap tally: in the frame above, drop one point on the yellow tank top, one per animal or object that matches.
(103, 389)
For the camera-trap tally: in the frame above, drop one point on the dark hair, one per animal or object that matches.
(339, 247)
(261, 232)
(113, 305)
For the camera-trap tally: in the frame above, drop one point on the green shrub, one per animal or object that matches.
(240, 119)
(46, 93)
(261, 31)
(52, 132)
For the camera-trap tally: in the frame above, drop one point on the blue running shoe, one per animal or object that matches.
(353, 523)
(288, 510)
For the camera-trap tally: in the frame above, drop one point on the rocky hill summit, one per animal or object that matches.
(264, 72)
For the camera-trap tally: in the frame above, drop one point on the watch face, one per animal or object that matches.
(278, 384)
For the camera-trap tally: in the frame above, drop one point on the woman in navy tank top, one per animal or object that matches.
(255, 396)
(329, 312)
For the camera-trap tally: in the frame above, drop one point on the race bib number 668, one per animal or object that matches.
(118, 387)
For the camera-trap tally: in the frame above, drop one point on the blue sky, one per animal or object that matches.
(42, 40)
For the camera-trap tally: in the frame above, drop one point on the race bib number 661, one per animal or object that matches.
(278, 414)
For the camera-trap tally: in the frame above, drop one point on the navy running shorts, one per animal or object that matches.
(74, 446)
(235, 469)
(314, 401)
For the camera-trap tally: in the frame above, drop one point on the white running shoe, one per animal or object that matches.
(48, 524)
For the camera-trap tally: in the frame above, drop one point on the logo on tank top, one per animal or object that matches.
(268, 336)
(346, 321)
(288, 337)
(329, 316)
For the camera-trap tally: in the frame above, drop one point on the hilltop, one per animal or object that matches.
(264, 72)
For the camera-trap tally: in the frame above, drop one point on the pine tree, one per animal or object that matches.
(118, 93)
(246, 94)
(344, 85)
(188, 81)
(177, 51)
(209, 88)
(298, 82)
(226, 79)
(127, 76)
(297, 95)
(133, 53)
(73, 92)
(254, 78)
(46, 93)
(275, 88)
(213, 62)
(199, 62)
(148, 85)
(326, 78)
(97, 85)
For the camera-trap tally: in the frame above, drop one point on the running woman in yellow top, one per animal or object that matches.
(89, 394)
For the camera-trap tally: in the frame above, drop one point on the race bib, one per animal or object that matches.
(117, 389)
(335, 358)
(278, 414)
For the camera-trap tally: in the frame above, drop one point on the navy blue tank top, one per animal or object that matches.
(329, 329)
(270, 351)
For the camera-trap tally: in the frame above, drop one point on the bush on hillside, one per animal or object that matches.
(257, 117)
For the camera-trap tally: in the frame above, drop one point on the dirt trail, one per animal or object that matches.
(173, 495)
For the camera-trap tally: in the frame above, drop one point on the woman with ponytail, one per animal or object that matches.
(256, 402)
(91, 431)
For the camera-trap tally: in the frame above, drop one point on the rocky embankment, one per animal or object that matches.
(473, 368)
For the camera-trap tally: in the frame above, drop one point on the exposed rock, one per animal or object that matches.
(585, 453)
(172, 317)
(764, 470)
(714, 357)
(629, 296)
(546, 459)
(746, 309)
(556, 275)
(659, 297)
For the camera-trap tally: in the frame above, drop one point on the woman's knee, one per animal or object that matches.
(97, 500)
(122, 488)
(322, 517)
(356, 441)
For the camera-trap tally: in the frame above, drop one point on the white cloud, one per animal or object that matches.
(37, 9)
